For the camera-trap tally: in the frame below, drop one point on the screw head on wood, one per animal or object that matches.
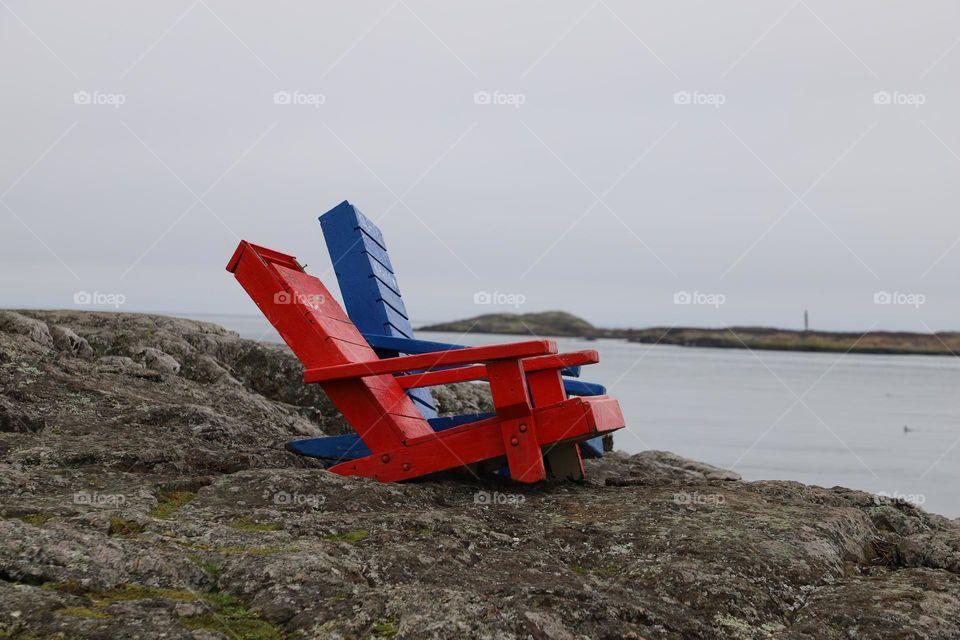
(523, 428)
(385, 458)
(406, 466)
(514, 441)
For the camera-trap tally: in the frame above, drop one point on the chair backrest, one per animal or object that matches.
(369, 287)
(318, 331)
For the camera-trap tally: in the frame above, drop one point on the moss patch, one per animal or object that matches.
(249, 551)
(122, 593)
(233, 619)
(36, 519)
(249, 525)
(129, 592)
(125, 528)
(235, 622)
(72, 587)
(384, 629)
(351, 537)
(169, 501)
(212, 569)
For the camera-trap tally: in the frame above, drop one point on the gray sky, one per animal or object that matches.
(777, 179)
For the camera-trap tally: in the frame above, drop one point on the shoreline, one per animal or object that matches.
(753, 338)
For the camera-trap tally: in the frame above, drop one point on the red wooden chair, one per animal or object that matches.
(535, 420)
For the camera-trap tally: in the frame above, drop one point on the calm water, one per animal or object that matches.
(740, 410)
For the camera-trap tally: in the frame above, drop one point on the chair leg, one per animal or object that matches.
(523, 450)
(565, 462)
(511, 398)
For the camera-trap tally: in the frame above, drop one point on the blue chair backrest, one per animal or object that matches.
(370, 290)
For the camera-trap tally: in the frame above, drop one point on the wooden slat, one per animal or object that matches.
(432, 360)
(479, 372)
(377, 408)
(571, 421)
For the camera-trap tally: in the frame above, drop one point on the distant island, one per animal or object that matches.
(547, 323)
(562, 324)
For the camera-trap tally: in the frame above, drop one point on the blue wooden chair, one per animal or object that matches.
(372, 299)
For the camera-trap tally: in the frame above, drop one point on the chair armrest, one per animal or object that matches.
(479, 372)
(427, 361)
(414, 346)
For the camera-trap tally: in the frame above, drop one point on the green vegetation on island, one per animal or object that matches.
(562, 324)
(547, 323)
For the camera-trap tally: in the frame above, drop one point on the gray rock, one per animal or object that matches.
(545, 627)
(157, 360)
(154, 505)
(68, 341)
(13, 421)
(121, 363)
(204, 368)
(36, 330)
(463, 398)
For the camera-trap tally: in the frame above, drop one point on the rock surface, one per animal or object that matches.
(139, 499)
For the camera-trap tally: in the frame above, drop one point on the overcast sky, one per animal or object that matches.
(599, 157)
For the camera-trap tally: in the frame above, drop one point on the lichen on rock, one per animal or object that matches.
(140, 499)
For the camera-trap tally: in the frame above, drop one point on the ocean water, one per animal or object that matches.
(823, 419)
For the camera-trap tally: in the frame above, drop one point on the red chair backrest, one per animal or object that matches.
(318, 331)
